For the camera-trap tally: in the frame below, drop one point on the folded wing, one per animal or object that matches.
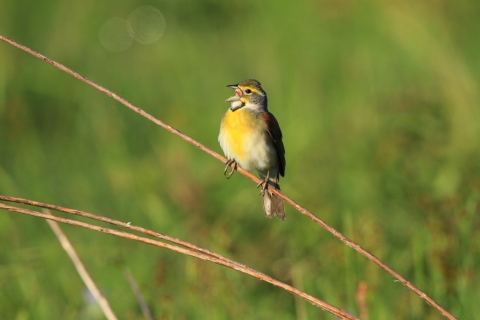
(274, 131)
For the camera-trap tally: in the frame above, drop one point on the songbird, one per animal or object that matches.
(250, 136)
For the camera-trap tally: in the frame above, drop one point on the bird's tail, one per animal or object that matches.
(272, 204)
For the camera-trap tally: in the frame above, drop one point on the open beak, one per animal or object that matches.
(236, 102)
(233, 99)
(238, 91)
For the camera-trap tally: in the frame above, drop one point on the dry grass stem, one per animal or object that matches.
(67, 246)
(116, 223)
(361, 298)
(138, 295)
(299, 208)
(224, 262)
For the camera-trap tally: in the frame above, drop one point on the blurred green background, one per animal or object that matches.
(379, 106)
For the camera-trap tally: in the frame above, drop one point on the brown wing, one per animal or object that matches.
(276, 134)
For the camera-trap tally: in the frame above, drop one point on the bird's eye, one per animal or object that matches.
(248, 91)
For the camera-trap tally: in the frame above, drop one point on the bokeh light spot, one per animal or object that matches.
(147, 24)
(114, 34)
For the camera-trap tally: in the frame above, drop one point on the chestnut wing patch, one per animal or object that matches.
(276, 134)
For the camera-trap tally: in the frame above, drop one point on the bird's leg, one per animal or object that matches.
(265, 183)
(234, 167)
(226, 167)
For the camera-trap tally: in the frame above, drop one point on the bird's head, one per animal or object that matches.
(248, 93)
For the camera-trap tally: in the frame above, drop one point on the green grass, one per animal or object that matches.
(379, 106)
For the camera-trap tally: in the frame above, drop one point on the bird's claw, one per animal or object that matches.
(234, 167)
(264, 182)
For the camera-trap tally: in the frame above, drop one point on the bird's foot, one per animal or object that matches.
(233, 163)
(264, 182)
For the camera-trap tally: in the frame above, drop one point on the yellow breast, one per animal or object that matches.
(238, 128)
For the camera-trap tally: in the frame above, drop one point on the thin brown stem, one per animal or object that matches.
(92, 287)
(316, 302)
(138, 295)
(116, 223)
(299, 208)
